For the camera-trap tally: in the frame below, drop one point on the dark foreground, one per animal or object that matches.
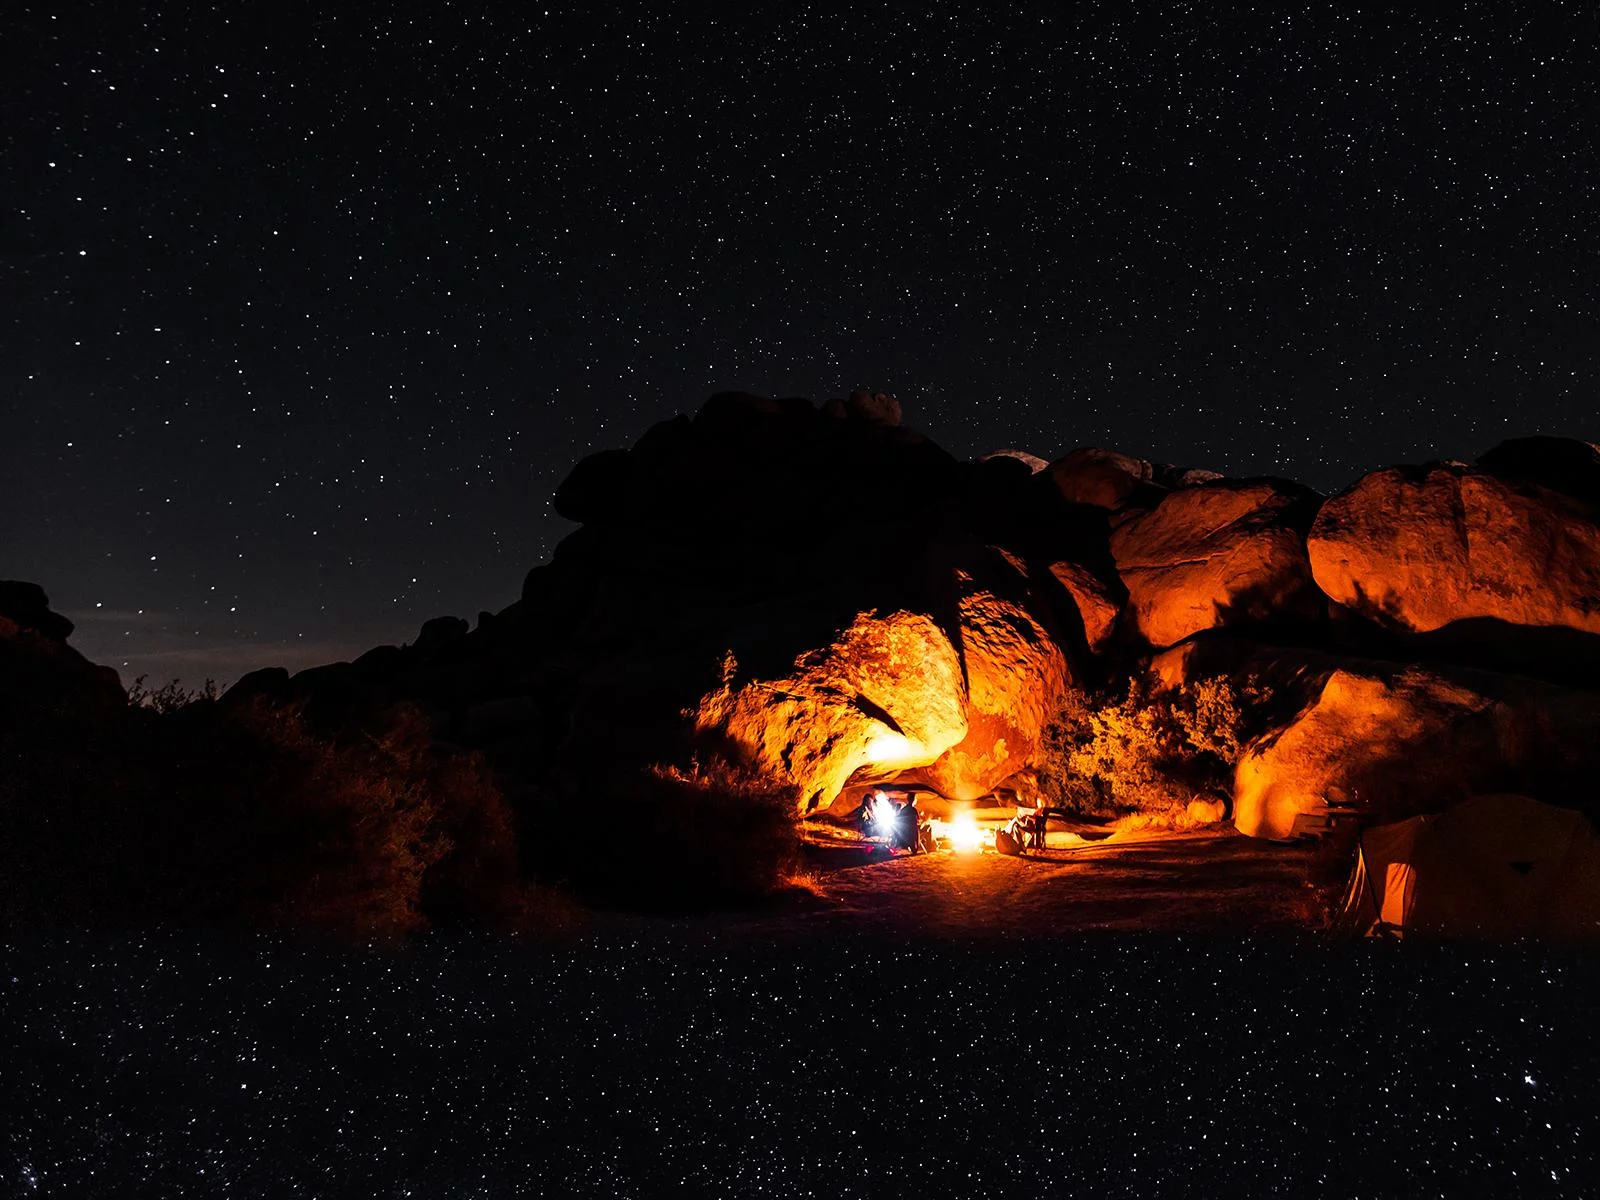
(685, 1062)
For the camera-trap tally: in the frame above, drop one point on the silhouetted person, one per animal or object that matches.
(906, 821)
(1036, 829)
(864, 817)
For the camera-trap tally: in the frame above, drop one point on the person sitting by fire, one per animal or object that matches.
(867, 815)
(907, 825)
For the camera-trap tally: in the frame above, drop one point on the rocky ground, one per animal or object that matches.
(1207, 882)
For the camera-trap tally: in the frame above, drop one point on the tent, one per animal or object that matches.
(1491, 867)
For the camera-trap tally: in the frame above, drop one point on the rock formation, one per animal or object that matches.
(885, 694)
(1396, 742)
(1015, 676)
(1222, 553)
(824, 595)
(1418, 549)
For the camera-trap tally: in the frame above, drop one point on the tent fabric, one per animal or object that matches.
(1495, 867)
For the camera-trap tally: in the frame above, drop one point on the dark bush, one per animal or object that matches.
(668, 837)
(180, 810)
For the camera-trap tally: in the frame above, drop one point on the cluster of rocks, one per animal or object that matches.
(829, 597)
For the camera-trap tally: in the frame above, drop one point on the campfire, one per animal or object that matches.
(961, 832)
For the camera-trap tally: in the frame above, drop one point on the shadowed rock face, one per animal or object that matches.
(1222, 553)
(1096, 602)
(1417, 549)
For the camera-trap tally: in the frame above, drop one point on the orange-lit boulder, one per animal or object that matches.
(1016, 680)
(1417, 548)
(1397, 741)
(1104, 479)
(886, 694)
(896, 698)
(1222, 553)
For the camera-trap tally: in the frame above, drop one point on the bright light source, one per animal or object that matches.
(883, 814)
(965, 836)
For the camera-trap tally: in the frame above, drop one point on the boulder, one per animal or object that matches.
(1396, 741)
(25, 606)
(1186, 477)
(884, 695)
(440, 632)
(907, 698)
(265, 683)
(1419, 548)
(1104, 479)
(597, 488)
(876, 408)
(1565, 465)
(1221, 553)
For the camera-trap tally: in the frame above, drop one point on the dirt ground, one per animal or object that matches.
(1202, 882)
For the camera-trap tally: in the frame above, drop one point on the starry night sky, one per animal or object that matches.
(306, 310)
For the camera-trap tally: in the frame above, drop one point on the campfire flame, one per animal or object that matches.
(964, 834)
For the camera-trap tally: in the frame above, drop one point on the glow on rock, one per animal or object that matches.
(891, 747)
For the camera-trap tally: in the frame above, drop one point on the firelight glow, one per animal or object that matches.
(965, 836)
(890, 747)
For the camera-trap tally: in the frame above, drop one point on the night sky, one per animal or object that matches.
(305, 311)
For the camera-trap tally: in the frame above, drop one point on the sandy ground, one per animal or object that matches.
(1213, 881)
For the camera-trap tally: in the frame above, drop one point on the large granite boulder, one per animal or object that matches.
(1398, 740)
(885, 694)
(905, 698)
(1220, 553)
(1514, 540)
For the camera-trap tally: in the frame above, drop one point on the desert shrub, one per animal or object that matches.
(251, 818)
(182, 810)
(170, 696)
(1141, 750)
(477, 880)
(665, 836)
